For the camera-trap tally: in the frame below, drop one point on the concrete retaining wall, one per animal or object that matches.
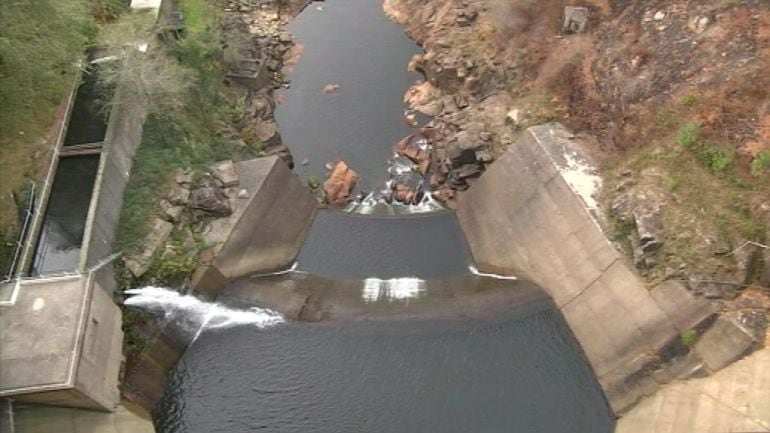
(265, 231)
(124, 134)
(534, 213)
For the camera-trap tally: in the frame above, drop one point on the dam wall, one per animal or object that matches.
(534, 213)
(266, 229)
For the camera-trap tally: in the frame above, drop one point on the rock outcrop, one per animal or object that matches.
(338, 188)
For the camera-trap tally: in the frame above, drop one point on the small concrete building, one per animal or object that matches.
(61, 344)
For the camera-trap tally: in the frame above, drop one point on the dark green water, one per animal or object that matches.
(58, 247)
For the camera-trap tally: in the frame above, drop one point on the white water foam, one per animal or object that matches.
(376, 289)
(475, 271)
(195, 315)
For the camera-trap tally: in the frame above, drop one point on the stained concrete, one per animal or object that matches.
(723, 343)
(266, 229)
(534, 213)
(61, 344)
(736, 399)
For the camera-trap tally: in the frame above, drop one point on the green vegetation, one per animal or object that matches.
(688, 337)
(715, 158)
(689, 100)
(40, 42)
(688, 134)
(761, 163)
(313, 182)
(186, 133)
(673, 183)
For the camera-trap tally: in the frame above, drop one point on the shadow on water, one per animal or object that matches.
(59, 245)
(88, 119)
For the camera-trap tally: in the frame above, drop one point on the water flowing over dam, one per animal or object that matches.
(389, 326)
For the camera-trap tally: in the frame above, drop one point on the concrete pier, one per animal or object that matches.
(535, 213)
(266, 229)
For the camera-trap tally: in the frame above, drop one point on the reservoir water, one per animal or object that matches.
(521, 372)
(354, 246)
(386, 328)
(352, 44)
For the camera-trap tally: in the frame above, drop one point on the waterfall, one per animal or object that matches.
(194, 315)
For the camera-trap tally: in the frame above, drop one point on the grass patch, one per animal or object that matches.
(189, 137)
(761, 163)
(689, 100)
(40, 42)
(688, 337)
(688, 135)
(715, 158)
(712, 156)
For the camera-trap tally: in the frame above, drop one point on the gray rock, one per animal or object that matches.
(267, 133)
(764, 274)
(183, 177)
(211, 200)
(575, 19)
(178, 195)
(171, 212)
(649, 226)
(282, 152)
(722, 344)
(285, 37)
(225, 172)
(139, 263)
(484, 156)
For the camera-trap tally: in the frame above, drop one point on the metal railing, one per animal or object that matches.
(89, 274)
(20, 241)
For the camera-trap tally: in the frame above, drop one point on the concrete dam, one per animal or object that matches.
(512, 312)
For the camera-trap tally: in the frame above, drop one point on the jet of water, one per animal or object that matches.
(195, 315)
(475, 271)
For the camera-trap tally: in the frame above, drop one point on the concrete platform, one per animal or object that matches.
(61, 344)
(35, 353)
(736, 399)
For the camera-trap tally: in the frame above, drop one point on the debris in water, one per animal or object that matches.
(331, 88)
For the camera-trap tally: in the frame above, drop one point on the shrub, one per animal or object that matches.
(714, 157)
(688, 337)
(689, 100)
(688, 134)
(761, 163)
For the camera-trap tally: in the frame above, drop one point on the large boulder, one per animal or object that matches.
(425, 98)
(282, 152)
(225, 172)
(339, 186)
(211, 200)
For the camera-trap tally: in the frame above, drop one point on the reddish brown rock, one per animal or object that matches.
(409, 147)
(338, 187)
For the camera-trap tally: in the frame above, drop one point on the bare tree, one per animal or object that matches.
(140, 68)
